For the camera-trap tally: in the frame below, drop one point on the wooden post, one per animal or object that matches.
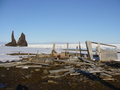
(76, 50)
(53, 51)
(53, 46)
(80, 49)
(60, 49)
(99, 53)
(67, 47)
(37, 53)
(116, 48)
(89, 49)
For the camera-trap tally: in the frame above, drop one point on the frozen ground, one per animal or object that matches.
(34, 48)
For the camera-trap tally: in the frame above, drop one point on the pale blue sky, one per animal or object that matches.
(60, 20)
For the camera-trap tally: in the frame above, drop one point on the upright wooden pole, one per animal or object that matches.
(76, 50)
(60, 49)
(37, 53)
(80, 49)
(67, 47)
(99, 51)
(53, 51)
(53, 46)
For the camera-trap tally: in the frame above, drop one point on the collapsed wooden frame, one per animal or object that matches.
(103, 54)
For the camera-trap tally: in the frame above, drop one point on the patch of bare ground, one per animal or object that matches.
(40, 78)
(35, 79)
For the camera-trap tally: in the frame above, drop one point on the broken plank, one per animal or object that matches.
(60, 70)
(29, 66)
(95, 71)
(74, 74)
(40, 63)
(73, 62)
(70, 72)
(12, 64)
(108, 75)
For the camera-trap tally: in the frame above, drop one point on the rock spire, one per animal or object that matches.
(13, 41)
(21, 42)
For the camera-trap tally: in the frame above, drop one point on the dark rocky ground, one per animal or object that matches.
(36, 79)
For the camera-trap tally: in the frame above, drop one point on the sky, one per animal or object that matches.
(60, 20)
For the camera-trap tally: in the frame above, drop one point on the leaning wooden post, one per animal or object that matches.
(80, 49)
(89, 49)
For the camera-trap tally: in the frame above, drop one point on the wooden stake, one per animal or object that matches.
(80, 49)
(54, 46)
(67, 47)
(76, 50)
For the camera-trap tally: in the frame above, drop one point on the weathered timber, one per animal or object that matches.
(105, 74)
(40, 63)
(11, 64)
(33, 66)
(60, 70)
(103, 54)
(80, 49)
(70, 72)
(72, 62)
(89, 48)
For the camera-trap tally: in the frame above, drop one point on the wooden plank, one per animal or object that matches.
(40, 63)
(95, 71)
(11, 64)
(108, 75)
(104, 44)
(89, 48)
(34, 66)
(60, 70)
(72, 62)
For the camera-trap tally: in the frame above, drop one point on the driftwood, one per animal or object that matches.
(70, 72)
(40, 63)
(73, 62)
(105, 74)
(22, 66)
(60, 70)
(11, 64)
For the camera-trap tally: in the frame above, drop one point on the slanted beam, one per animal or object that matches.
(89, 49)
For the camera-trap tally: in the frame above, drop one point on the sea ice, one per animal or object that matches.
(36, 48)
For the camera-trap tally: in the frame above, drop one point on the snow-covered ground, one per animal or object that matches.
(35, 48)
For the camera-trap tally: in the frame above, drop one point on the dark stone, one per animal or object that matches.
(22, 41)
(13, 41)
